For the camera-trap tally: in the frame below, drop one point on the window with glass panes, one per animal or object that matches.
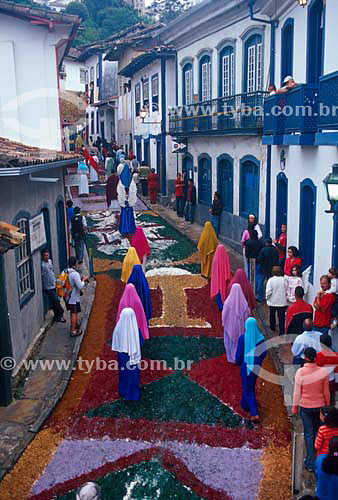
(145, 88)
(23, 259)
(188, 86)
(205, 79)
(137, 99)
(254, 64)
(227, 72)
(92, 75)
(154, 92)
(83, 75)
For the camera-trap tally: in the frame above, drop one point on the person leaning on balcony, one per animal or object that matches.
(288, 84)
(272, 89)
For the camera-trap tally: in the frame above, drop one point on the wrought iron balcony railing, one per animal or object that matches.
(234, 114)
(295, 111)
(328, 102)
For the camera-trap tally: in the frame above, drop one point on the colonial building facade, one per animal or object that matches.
(303, 137)
(223, 59)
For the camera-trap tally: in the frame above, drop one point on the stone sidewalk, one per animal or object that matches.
(43, 388)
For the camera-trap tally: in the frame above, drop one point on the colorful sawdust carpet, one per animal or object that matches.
(187, 437)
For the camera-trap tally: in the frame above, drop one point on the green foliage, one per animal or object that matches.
(102, 18)
(169, 9)
(77, 9)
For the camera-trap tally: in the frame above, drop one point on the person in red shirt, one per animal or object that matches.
(280, 244)
(152, 186)
(327, 357)
(292, 259)
(329, 417)
(297, 313)
(323, 306)
(179, 185)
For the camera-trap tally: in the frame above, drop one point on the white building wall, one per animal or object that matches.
(72, 80)
(30, 76)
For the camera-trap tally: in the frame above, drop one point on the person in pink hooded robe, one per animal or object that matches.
(235, 312)
(220, 275)
(131, 299)
(140, 243)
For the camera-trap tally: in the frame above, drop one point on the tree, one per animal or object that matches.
(170, 9)
(88, 33)
(112, 20)
(77, 9)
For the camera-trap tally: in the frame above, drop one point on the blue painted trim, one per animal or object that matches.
(310, 40)
(299, 139)
(219, 133)
(328, 76)
(268, 193)
(226, 50)
(164, 127)
(62, 251)
(272, 140)
(188, 66)
(204, 59)
(302, 217)
(288, 25)
(5, 339)
(230, 160)
(138, 138)
(281, 177)
(242, 194)
(205, 156)
(334, 259)
(100, 76)
(326, 139)
(253, 32)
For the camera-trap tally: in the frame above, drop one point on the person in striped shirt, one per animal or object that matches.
(329, 417)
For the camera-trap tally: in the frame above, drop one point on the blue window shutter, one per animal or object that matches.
(287, 49)
(204, 180)
(249, 186)
(225, 181)
(307, 222)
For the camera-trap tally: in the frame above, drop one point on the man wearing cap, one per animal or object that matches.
(288, 83)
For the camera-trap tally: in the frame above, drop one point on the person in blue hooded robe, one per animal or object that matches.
(138, 279)
(250, 360)
(127, 198)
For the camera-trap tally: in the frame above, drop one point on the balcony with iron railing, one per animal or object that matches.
(238, 114)
(327, 133)
(292, 117)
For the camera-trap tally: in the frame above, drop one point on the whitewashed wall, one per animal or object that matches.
(29, 62)
(72, 81)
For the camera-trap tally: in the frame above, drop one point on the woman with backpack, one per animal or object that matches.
(79, 228)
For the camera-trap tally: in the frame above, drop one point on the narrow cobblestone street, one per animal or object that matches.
(187, 437)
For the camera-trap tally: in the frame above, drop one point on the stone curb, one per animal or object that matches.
(50, 402)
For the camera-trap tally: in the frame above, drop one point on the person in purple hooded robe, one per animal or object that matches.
(235, 312)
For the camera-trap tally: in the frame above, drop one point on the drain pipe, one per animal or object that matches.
(274, 24)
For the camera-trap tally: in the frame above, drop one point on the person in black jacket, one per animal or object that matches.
(191, 202)
(267, 258)
(216, 211)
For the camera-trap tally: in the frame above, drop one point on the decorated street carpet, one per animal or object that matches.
(187, 437)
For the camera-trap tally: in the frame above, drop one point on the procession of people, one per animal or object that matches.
(271, 273)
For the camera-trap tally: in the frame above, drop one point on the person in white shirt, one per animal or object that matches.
(309, 338)
(276, 299)
(73, 302)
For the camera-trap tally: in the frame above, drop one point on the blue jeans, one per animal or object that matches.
(260, 279)
(189, 212)
(54, 303)
(179, 205)
(79, 249)
(322, 329)
(311, 423)
(215, 221)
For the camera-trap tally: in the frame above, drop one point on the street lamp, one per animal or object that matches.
(143, 114)
(302, 3)
(331, 185)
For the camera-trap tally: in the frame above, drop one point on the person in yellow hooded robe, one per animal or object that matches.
(207, 246)
(131, 259)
